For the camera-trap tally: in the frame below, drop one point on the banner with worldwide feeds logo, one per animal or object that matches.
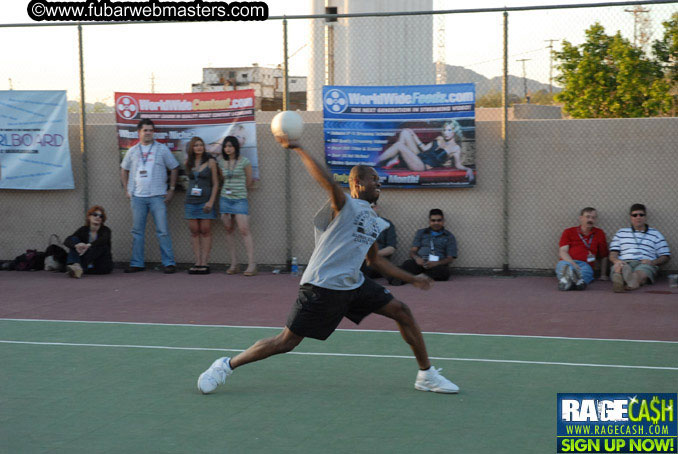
(619, 423)
(413, 136)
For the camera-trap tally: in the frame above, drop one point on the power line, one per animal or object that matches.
(512, 55)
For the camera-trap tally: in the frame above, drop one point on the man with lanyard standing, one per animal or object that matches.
(148, 162)
(432, 251)
(637, 252)
(581, 249)
(333, 287)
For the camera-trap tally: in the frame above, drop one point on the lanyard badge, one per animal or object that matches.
(590, 257)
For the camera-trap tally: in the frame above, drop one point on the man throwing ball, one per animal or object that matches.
(333, 287)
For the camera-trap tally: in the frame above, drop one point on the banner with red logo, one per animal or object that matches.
(178, 117)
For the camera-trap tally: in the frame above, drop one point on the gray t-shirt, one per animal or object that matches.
(341, 245)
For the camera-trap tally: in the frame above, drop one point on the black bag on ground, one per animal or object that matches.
(30, 261)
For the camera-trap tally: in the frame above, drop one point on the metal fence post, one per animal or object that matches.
(288, 170)
(505, 148)
(83, 149)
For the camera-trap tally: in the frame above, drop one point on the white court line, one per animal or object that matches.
(519, 336)
(351, 355)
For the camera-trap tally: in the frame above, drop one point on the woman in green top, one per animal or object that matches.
(233, 206)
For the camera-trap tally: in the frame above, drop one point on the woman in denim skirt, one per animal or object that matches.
(233, 206)
(201, 193)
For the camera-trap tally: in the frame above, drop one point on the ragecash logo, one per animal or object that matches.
(336, 101)
(623, 423)
(127, 107)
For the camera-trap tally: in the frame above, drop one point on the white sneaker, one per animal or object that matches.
(580, 285)
(214, 376)
(74, 270)
(564, 284)
(431, 380)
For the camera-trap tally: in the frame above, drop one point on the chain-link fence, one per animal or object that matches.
(535, 172)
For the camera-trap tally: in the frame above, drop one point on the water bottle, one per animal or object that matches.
(295, 267)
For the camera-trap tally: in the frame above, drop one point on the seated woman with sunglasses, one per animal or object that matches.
(89, 248)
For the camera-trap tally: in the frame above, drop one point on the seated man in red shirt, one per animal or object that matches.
(582, 248)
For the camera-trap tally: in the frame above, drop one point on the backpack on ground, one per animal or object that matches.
(32, 260)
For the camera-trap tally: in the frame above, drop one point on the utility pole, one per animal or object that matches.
(527, 100)
(152, 83)
(637, 11)
(11, 87)
(550, 48)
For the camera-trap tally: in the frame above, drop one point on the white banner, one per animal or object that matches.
(34, 151)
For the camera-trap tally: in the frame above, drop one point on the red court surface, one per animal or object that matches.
(465, 304)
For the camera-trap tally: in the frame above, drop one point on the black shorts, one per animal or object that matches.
(318, 311)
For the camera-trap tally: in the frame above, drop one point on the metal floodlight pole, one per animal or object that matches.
(83, 148)
(288, 164)
(329, 45)
(504, 140)
(286, 83)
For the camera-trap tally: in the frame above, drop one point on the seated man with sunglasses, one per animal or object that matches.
(637, 252)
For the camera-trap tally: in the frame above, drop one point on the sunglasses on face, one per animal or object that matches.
(97, 215)
(437, 220)
(635, 215)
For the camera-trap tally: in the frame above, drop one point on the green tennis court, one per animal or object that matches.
(79, 387)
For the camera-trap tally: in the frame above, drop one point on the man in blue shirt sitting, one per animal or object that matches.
(432, 251)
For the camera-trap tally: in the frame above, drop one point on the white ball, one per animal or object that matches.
(287, 123)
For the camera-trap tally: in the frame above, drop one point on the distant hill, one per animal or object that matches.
(455, 75)
(459, 75)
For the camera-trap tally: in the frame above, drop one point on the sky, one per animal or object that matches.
(170, 57)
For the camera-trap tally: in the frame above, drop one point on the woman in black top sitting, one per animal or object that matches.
(89, 248)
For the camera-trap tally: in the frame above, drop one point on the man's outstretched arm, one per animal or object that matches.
(319, 174)
(385, 267)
